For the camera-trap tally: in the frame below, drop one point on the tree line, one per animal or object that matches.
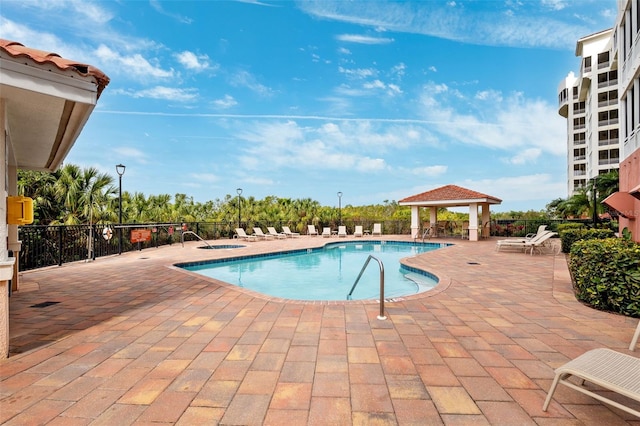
(73, 195)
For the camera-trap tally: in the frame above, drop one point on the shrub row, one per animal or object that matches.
(570, 234)
(606, 274)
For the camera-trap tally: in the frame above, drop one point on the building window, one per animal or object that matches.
(603, 60)
(607, 98)
(608, 137)
(578, 107)
(587, 64)
(606, 79)
(579, 138)
(578, 123)
(606, 118)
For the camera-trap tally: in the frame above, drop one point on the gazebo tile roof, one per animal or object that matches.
(449, 193)
(41, 57)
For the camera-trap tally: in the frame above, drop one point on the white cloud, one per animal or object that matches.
(192, 61)
(361, 39)
(127, 152)
(135, 65)
(430, 171)
(248, 80)
(158, 8)
(226, 102)
(358, 72)
(204, 177)
(162, 92)
(525, 156)
(508, 124)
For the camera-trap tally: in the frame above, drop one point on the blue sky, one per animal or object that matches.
(379, 100)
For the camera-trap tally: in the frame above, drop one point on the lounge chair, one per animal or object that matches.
(272, 231)
(535, 243)
(243, 235)
(326, 232)
(358, 231)
(541, 231)
(634, 340)
(311, 230)
(377, 229)
(259, 234)
(286, 231)
(342, 231)
(606, 368)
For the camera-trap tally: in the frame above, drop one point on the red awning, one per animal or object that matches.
(623, 203)
(635, 192)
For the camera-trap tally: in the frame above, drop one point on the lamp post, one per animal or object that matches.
(120, 170)
(239, 191)
(340, 207)
(595, 204)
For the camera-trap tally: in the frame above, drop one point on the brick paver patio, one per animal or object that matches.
(134, 340)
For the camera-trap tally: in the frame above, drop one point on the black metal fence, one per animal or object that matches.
(54, 245)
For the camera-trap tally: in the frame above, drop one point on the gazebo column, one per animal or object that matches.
(486, 219)
(473, 222)
(415, 221)
(433, 217)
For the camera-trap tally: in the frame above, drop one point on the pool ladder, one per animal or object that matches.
(381, 316)
(197, 236)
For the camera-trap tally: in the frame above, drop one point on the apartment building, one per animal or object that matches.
(625, 54)
(589, 102)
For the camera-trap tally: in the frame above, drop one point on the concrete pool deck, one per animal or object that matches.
(134, 340)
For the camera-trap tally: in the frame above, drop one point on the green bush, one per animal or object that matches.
(606, 274)
(570, 234)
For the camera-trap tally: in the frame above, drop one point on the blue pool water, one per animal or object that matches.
(326, 273)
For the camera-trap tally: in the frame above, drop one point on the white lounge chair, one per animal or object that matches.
(634, 340)
(326, 232)
(377, 229)
(259, 234)
(286, 231)
(606, 368)
(311, 230)
(342, 231)
(272, 231)
(541, 230)
(358, 231)
(535, 243)
(240, 234)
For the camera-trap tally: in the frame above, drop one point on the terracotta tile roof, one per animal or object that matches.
(16, 50)
(450, 193)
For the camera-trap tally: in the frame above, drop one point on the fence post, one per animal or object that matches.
(60, 245)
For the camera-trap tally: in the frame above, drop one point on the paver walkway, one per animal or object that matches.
(133, 340)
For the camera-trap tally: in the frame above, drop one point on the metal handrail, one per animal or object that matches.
(197, 236)
(381, 316)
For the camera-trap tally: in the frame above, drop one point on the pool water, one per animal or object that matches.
(327, 273)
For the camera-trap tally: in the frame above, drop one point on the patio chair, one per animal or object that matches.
(377, 229)
(286, 231)
(311, 230)
(342, 231)
(535, 243)
(240, 234)
(259, 234)
(272, 231)
(634, 340)
(606, 368)
(358, 231)
(326, 232)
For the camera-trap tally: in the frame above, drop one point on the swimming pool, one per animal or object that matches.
(326, 273)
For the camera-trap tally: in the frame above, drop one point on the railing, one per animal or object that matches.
(381, 316)
(54, 245)
(196, 235)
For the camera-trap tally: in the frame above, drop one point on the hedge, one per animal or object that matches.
(606, 274)
(568, 236)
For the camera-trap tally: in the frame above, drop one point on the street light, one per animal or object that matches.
(120, 170)
(340, 207)
(594, 180)
(239, 191)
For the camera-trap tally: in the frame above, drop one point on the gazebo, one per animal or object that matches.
(450, 196)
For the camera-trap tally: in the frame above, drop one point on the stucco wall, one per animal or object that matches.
(630, 178)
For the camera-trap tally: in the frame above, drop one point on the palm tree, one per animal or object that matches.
(82, 194)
